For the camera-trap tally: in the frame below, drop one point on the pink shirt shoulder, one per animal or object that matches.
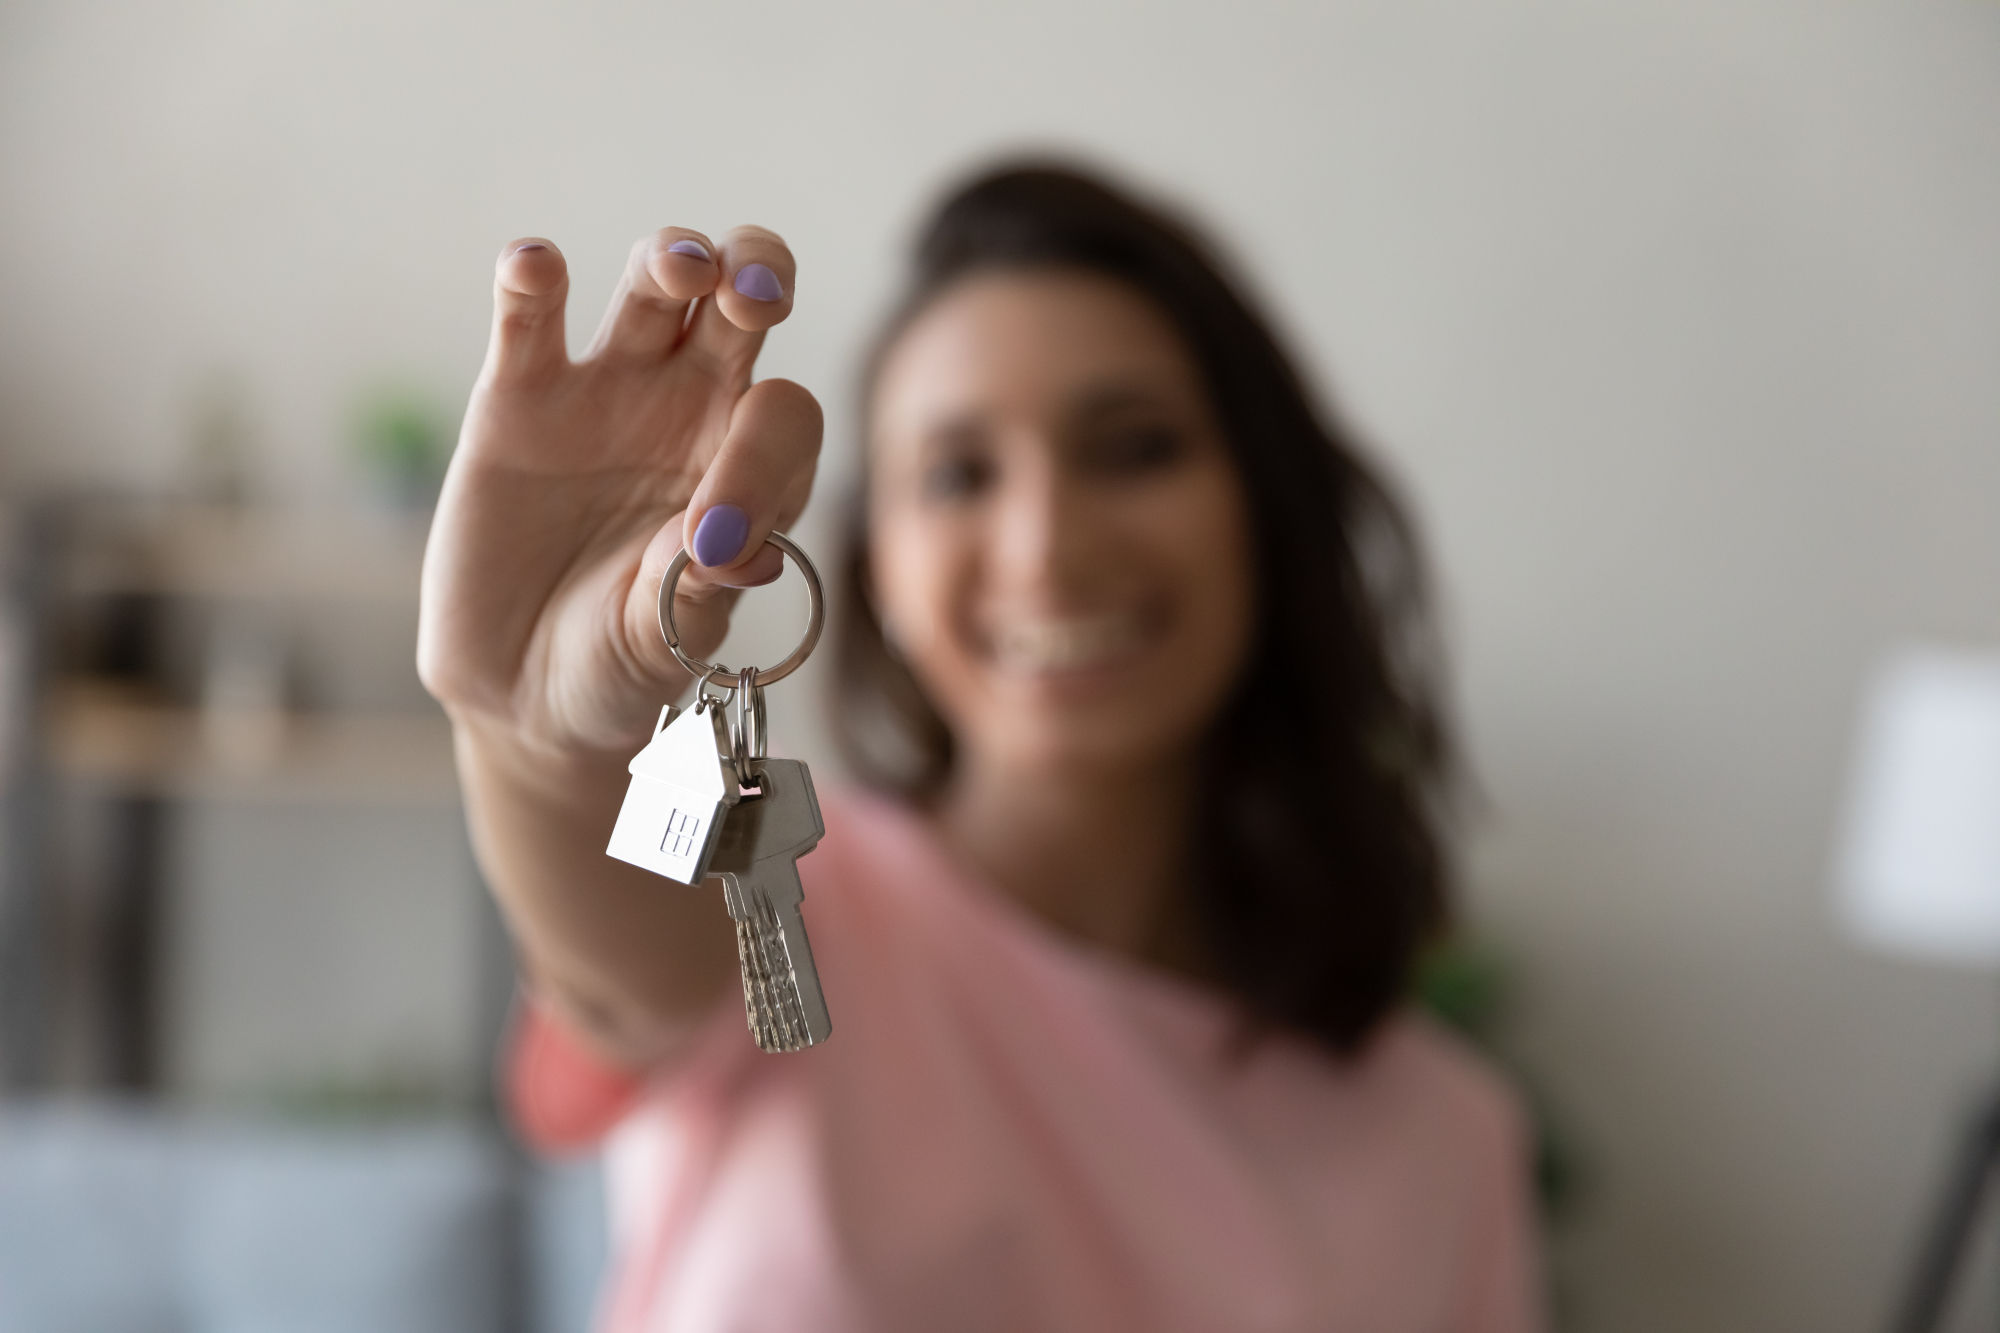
(1008, 1131)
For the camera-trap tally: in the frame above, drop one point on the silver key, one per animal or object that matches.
(683, 785)
(762, 839)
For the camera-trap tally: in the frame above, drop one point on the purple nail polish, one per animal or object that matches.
(692, 249)
(759, 283)
(720, 535)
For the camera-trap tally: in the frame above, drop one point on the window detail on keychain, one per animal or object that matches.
(683, 833)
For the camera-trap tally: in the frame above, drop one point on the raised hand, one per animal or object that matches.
(576, 482)
(574, 485)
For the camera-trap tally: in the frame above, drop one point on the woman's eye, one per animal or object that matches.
(955, 478)
(1136, 449)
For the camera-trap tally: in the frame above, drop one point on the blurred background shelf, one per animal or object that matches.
(235, 867)
(107, 735)
(293, 553)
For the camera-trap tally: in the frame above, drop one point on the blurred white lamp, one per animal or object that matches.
(1919, 874)
(1920, 871)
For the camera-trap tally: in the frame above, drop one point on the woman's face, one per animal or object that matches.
(1059, 538)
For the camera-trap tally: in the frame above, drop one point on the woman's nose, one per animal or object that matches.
(1041, 532)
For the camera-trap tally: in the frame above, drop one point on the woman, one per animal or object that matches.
(1118, 945)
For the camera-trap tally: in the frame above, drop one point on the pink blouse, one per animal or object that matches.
(1008, 1131)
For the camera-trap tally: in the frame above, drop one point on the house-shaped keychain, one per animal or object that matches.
(683, 784)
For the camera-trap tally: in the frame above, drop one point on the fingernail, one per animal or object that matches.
(531, 245)
(759, 283)
(692, 249)
(720, 535)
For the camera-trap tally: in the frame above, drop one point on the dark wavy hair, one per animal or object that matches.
(1328, 767)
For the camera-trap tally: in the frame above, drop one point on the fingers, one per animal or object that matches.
(702, 599)
(753, 294)
(756, 483)
(748, 279)
(530, 284)
(663, 274)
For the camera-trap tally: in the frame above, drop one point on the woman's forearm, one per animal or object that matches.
(629, 959)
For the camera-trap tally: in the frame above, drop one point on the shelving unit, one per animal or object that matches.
(187, 668)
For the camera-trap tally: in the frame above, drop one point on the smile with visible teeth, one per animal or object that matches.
(1068, 645)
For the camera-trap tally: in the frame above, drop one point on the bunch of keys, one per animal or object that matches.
(706, 800)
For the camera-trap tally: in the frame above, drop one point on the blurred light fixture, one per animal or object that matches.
(1918, 874)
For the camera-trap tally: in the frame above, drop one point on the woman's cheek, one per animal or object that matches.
(916, 580)
(897, 563)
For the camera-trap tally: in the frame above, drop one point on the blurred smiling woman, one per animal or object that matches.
(1118, 936)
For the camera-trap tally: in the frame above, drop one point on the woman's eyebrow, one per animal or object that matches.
(1103, 400)
(953, 433)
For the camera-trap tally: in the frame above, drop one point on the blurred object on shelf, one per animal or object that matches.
(405, 441)
(243, 694)
(221, 440)
(189, 635)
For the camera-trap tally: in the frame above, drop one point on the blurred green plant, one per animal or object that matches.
(1468, 987)
(404, 440)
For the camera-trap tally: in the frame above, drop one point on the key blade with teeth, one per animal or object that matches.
(756, 857)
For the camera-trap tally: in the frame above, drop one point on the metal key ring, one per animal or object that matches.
(746, 732)
(815, 618)
(702, 698)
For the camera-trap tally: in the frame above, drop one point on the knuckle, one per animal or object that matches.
(448, 679)
(515, 321)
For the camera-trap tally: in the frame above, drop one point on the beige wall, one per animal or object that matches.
(1679, 319)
